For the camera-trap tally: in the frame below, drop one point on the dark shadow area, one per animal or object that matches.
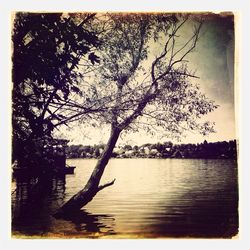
(33, 201)
(36, 199)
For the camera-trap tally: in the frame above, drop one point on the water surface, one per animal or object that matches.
(150, 198)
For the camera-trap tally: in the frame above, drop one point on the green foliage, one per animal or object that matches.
(127, 147)
(47, 49)
(143, 82)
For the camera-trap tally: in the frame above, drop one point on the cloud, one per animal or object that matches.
(214, 58)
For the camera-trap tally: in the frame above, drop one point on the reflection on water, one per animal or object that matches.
(32, 203)
(150, 198)
(87, 222)
(35, 200)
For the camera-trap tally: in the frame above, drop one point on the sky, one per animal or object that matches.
(213, 61)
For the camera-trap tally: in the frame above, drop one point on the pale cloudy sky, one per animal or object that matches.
(213, 60)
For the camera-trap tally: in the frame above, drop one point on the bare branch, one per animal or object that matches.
(165, 51)
(194, 38)
(106, 185)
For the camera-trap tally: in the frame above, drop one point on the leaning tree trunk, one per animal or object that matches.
(92, 187)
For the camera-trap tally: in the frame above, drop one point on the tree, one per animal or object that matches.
(127, 147)
(47, 51)
(143, 83)
(96, 152)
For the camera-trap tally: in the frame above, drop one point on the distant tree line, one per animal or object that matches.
(205, 150)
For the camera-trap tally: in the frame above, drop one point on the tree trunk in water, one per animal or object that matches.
(92, 187)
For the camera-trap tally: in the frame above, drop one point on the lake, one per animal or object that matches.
(151, 198)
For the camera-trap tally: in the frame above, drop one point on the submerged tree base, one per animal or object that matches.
(79, 200)
(92, 187)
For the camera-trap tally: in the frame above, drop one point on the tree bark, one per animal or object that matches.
(92, 187)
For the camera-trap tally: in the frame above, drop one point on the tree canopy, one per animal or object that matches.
(47, 49)
(143, 81)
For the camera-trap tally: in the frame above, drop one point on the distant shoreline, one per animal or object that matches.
(151, 158)
(167, 150)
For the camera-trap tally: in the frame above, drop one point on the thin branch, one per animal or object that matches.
(106, 185)
(89, 16)
(165, 51)
(194, 38)
(57, 88)
(77, 116)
